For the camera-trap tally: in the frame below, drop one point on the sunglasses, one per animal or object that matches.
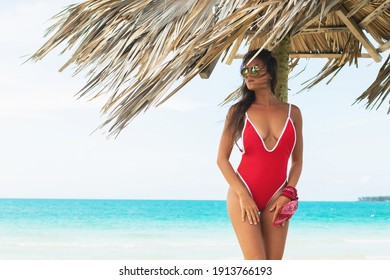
(253, 71)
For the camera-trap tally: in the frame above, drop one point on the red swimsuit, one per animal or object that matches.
(264, 171)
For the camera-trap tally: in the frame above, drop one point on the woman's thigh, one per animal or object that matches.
(274, 237)
(249, 236)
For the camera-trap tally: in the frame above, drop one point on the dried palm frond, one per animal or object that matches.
(380, 89)
(135, 51)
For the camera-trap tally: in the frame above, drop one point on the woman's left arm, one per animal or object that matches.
(297, 154)
(297, 161)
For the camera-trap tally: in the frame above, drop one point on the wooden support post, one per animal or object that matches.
(377, 12)
(358, 33)
(384, 47)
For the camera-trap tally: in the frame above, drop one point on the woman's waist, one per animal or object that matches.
(264, 159)
(262, 166)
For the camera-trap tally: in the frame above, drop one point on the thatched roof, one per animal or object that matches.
(135, 50)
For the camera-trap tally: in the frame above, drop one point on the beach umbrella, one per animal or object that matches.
(139, 53)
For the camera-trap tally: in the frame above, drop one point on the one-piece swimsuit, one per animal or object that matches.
(262, 170)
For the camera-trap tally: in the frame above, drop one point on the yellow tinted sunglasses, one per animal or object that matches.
(253, 71)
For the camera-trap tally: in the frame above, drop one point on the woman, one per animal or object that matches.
(271, 131)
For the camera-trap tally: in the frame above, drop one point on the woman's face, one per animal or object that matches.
(257, 76)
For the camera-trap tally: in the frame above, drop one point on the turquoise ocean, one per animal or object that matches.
(181, 229)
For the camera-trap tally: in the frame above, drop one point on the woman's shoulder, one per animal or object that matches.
(294, 108)
(295, 113)
(231, 110)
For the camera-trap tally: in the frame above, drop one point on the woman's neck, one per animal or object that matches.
(264, 97)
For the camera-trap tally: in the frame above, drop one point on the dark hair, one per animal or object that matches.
(236, 119)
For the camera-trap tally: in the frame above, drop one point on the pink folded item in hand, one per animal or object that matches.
(286, 212)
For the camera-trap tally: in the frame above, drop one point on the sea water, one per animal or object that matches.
(181, 229)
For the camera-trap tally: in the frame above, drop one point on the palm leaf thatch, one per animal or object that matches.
(380, 89)
(135, 51)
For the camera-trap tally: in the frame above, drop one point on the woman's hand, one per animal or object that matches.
(278, 204)
(249, 209)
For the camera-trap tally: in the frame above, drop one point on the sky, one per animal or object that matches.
(50, 147)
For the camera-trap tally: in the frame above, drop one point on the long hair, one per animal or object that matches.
(237, 117)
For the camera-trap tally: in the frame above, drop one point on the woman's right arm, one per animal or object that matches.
(249, 209)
